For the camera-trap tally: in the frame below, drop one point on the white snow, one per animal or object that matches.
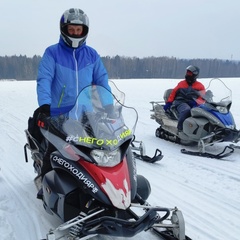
(206, 190)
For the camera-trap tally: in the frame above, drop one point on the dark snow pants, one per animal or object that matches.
(184, 112)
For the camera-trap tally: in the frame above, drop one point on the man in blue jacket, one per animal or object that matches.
(66, 68)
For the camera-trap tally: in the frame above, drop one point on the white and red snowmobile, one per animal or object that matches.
(93, 187)
(209, 123)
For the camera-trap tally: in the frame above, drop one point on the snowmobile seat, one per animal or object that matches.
(198, 112)
(167, 94)
(172, 113)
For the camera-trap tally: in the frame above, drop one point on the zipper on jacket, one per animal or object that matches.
(76, 69)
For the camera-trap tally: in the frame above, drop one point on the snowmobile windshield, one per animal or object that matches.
(98, 120)
(218, 93)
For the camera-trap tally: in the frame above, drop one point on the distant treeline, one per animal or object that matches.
(25, 68)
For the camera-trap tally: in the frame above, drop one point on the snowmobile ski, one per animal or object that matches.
(166, 235)
(220, 155)
(171, 232)
(157, 157)
(142, 152)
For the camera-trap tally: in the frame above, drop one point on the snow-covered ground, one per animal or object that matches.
(206, 190)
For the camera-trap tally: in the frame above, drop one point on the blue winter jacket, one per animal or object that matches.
(64, 71)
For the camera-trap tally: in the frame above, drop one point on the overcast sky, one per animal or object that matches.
(132, 28)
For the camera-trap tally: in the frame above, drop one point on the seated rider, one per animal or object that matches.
(186, 95)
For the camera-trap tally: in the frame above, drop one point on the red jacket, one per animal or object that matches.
(184, 93)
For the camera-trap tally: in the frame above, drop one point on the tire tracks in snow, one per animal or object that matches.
(17, 208)
(206, 199)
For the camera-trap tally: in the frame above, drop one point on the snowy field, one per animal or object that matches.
(206, 190)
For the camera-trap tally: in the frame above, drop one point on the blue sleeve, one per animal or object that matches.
(45, 77)
(100, 77)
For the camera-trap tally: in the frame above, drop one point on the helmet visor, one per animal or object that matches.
(189, 73)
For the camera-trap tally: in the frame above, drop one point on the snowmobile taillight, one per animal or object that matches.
(106, 158)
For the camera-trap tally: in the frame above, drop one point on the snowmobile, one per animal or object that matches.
(209, 123)
(93, 187)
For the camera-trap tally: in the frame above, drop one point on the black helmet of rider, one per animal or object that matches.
(192, 73)
(74, 16)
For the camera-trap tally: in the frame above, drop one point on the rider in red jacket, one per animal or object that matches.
(186, 95)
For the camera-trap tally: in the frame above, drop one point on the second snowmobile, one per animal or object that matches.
(93, 186)
(209, 123)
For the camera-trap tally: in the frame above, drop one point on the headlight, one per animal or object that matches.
(222, 109)
(106, 158)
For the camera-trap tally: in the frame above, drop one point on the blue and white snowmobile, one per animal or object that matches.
(209, 123)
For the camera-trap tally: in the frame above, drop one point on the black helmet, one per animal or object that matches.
(74, 16)
(192, 73)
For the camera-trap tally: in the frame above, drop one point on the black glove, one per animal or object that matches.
(167, 106)
(45, 109)
(192, 104)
